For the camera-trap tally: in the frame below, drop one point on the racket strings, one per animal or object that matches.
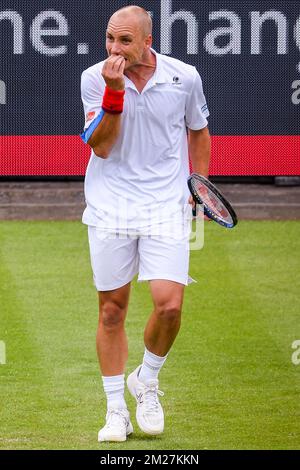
(210, 200)
(215, 205)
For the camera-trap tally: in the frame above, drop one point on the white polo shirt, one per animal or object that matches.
(143, 180)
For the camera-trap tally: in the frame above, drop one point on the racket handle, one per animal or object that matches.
(196, 209)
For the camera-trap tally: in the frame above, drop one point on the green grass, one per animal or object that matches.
(229, 381)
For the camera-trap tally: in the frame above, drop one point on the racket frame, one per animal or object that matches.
(207, 211)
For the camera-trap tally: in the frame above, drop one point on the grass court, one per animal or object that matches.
(229, 381)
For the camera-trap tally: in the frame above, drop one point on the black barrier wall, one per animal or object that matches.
(247, 52)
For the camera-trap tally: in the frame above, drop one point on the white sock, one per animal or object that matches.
(151, 366)
(114, 390)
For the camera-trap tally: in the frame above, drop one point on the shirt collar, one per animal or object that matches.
(158, 77)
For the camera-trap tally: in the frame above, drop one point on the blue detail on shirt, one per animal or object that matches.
(88, 132)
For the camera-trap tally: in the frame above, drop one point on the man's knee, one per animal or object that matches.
(169, 312)
(112, 316)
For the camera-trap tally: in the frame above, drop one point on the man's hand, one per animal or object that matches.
(200, 214)
(113, 72)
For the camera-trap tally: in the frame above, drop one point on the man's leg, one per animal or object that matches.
(160, 333)
(114, 262)
(164, 323)
(112, 349)
(164, 262)
(162, 327)
(111, 340)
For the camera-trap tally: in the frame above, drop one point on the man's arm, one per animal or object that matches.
(106, 133)
(200, 150)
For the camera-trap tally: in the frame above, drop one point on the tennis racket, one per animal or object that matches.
(215, 205)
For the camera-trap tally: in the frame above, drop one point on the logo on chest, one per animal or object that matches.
(176, 81)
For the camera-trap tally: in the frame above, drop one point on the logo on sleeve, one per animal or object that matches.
(90, 116)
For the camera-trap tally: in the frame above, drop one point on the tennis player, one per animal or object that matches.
(138, 106)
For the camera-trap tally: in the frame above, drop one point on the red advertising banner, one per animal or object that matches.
(231, 155)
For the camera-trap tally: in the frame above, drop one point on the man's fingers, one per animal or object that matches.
(118, 65)
(114, 62)
(112, 72)
(122, 66)
(200, 214)
(191, 201)
(109, 64)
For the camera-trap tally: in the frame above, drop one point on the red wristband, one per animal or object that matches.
(113, 101)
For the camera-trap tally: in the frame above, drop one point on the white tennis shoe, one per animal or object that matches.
(117, 427)
(149, 413)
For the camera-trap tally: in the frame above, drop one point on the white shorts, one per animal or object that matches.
(117, 259)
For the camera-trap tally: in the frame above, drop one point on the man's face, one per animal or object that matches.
(125, 37)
